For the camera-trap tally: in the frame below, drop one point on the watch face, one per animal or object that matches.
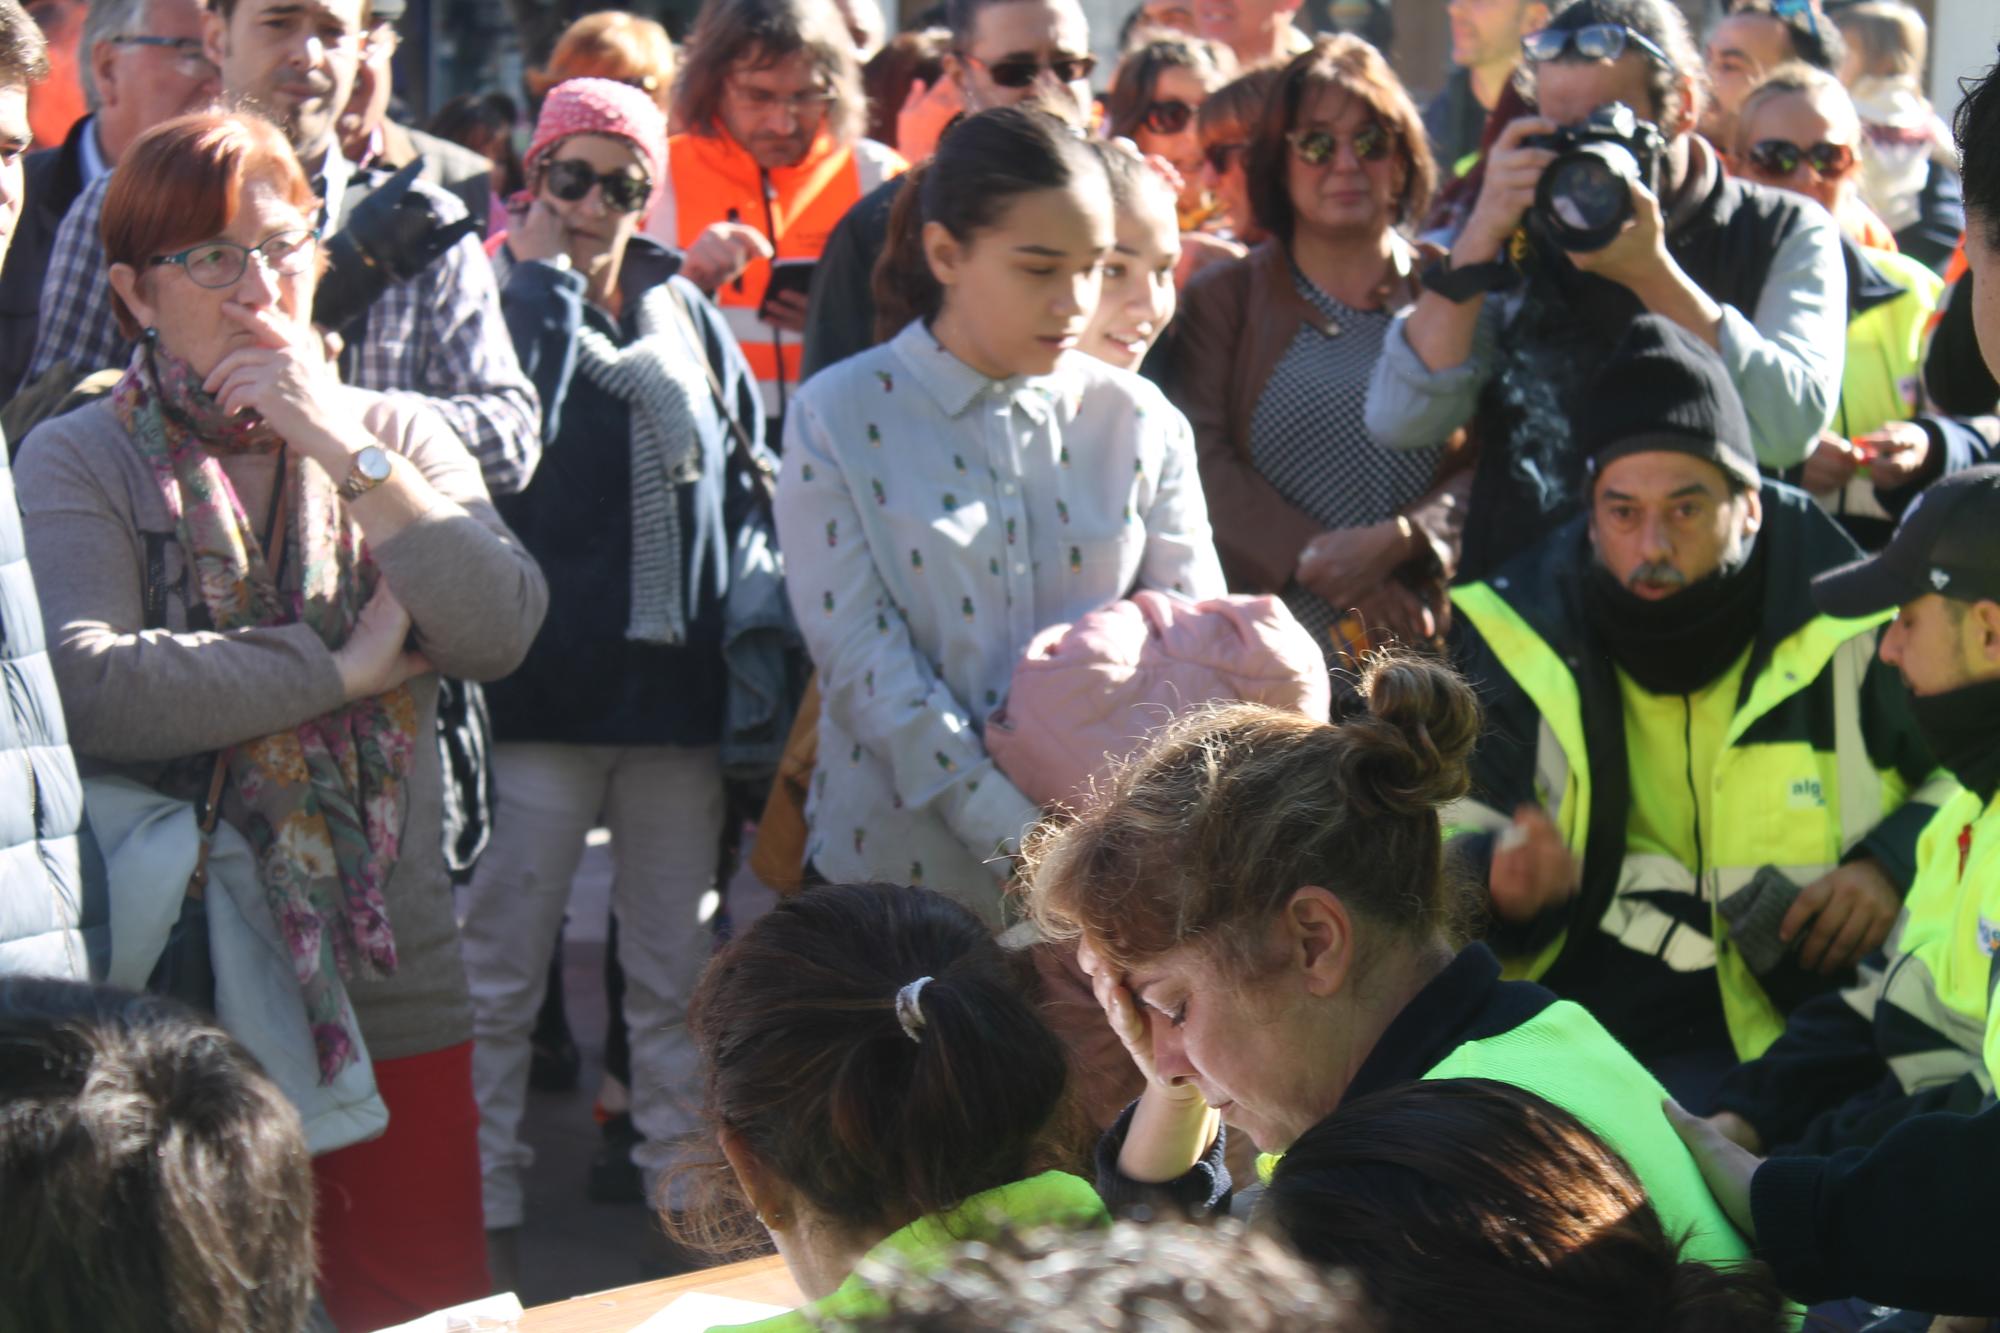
(372, 463)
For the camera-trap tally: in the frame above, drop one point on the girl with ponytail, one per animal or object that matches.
(877, 1080)
(1262, 903)
(952, 492)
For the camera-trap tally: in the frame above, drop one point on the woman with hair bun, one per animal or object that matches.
(1465, 1203)
(1262, 904)
(880, 1085)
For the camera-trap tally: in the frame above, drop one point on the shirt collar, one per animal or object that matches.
(90, 156)
(955, 386)
(335, 173)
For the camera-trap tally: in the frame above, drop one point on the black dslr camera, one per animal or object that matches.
(391, 236)
(1585, 196)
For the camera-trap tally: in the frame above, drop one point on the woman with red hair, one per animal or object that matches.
(263, 571)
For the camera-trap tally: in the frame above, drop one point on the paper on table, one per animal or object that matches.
(697, 1312)
(488, 1312)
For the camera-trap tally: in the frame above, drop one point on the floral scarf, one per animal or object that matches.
(325, 801)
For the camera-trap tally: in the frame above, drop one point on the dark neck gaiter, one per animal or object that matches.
(1962, 727)
(1680, 644)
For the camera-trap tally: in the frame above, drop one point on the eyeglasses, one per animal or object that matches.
(1598, 41)
(220, 263)
(570, 180)
(1170, 117)
(1781, 157)
(807, 105)
(1021, 73)
(188, 57)
(1371, 143)
(1220, 155)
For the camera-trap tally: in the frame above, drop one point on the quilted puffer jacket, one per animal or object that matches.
(54, 912)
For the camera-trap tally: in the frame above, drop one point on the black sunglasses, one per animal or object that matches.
(1021, 73)
(1781, 157)
(1371, 143)
(1220, 155)
(1169, 117)
(570, 180)
(1596, 41)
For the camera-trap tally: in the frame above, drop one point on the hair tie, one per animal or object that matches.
(908, 1013)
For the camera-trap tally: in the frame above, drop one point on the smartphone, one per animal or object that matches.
(787, 275)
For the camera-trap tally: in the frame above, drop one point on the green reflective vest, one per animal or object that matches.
(1880, 381)
(1777, 800)
(1054, 1198)
(1565, 1056)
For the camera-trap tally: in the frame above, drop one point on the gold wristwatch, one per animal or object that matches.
(366, 469)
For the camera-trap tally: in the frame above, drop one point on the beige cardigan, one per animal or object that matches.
(137, 698)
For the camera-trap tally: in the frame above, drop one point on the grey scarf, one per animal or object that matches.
(653, 378)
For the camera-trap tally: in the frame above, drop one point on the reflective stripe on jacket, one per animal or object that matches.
(1819, 750)
(713, 179)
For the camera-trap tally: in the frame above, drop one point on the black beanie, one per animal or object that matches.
(1664, 388)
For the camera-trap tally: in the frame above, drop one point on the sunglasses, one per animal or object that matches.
(1598, 41)
(570, 180)
(1168, 117)
(1781, 157)
(1220, 155)
(1371, 143)
(1021, 73)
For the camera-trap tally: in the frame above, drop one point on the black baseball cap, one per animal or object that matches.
(1948, 543)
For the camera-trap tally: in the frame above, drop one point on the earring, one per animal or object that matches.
(150, 334)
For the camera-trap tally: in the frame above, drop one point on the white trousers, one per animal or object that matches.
(664, 807)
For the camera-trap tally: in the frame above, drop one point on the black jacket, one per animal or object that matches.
(1656, 1012)
(1566, 327)
(1906, 1223)
(584, 682)
(51, 181)
(1940, 219)
(841, 319)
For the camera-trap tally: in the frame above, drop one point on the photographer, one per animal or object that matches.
(1753, 273)
(439, 333)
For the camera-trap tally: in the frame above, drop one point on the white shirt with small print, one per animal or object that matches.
(933, 521)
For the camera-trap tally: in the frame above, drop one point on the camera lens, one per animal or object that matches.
(1587, 194)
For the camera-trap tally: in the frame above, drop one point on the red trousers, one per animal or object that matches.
(398, 1223)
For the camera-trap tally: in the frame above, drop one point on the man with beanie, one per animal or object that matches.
(1908, 1038)
(1690, 809)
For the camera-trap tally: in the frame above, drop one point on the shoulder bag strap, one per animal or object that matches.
(763, 475)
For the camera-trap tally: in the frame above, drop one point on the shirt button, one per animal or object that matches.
(1007, 488)
(1020, 568)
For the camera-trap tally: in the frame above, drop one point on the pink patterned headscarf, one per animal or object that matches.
(603, 106)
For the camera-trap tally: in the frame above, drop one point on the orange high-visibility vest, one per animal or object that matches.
(715, 180)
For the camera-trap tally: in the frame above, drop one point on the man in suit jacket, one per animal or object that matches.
(370, 139)
(141, 64)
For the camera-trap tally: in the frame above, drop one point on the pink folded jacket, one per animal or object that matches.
(1089, 694)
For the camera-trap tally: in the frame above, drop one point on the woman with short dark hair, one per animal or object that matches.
(1274, 355)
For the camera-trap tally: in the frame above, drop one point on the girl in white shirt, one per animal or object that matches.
(951, 492)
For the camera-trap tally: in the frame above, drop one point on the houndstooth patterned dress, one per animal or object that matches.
(1308, 438)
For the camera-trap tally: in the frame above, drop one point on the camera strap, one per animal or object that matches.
(762, 474)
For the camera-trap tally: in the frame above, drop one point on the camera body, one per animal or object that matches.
(1584, 197)
(391, 236)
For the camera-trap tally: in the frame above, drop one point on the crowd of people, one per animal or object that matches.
(1424, 675)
